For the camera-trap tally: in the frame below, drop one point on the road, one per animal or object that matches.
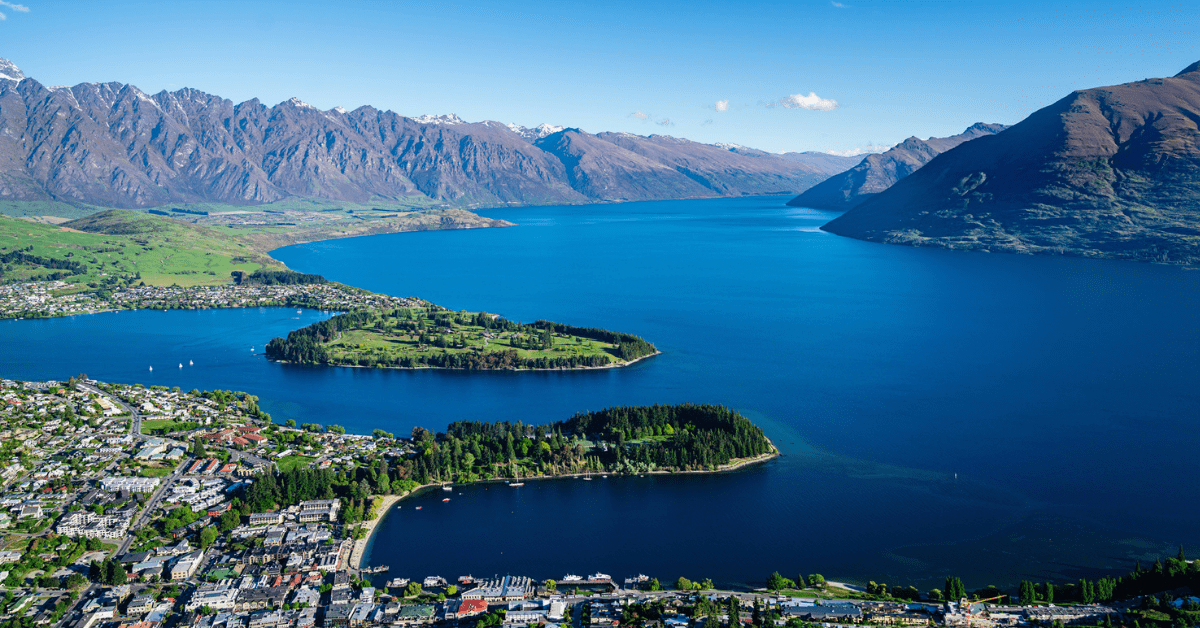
(152, 504)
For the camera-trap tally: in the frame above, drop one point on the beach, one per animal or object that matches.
(360, 545)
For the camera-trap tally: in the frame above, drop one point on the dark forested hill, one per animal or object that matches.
(1106, 172)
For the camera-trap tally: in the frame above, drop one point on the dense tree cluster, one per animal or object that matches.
(632, 439)
(306, 345)
(24, 256)
(686, 436)
(275, 278)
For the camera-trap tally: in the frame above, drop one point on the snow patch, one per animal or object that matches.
(296, 102)
(339, 110)
(537, 132)
(10, 72)
(448, 119)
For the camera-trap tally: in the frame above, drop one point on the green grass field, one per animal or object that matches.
(287, 463)
(389, 340)
(155, 472)
(122, 244)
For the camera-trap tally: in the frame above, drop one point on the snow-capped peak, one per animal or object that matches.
(537, 132)
(9, 71)
(296, 102)
(341, 110)
(448, 119)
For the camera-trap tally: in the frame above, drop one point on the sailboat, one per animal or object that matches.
(518, 482)
(190, 363)
(181, 365)
(152, 368)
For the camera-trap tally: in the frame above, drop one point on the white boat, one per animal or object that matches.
(152, 368)
(446, 500)
(518, 482)
(181, 365)
(599, 576)
(447, 488)
(571, 578)
(640, 578)
(190, 363)
(298, 311)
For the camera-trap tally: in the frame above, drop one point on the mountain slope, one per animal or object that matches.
(111, 145)
(878, 172)
(1109, 172)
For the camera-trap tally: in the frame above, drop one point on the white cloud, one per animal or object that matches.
(722, 105)
(19, 8)
(812, 102)
(640, 115)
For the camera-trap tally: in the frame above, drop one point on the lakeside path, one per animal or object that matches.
(357, 555)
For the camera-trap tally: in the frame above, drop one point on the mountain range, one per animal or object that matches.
(878, 172)
(1104, 172)
(112, 145)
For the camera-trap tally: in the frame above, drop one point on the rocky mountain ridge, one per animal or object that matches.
(1104, 172)
(112, 145)
(876, 173)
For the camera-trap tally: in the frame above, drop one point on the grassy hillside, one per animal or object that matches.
(111, 246)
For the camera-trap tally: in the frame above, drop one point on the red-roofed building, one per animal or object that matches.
(468, 608)
(254, 437)
(239, 441)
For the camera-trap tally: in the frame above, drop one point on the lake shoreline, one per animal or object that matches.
(444, 368)
(359, 554)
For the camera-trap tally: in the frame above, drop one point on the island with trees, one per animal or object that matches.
(430, 336)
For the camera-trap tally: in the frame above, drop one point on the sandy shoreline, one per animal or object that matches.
(360, 546)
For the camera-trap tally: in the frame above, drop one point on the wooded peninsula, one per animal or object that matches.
(627, 439)
(434, 337)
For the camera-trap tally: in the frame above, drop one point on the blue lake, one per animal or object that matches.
(993, 416)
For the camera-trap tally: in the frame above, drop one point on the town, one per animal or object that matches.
(47, 299)
(147, 507)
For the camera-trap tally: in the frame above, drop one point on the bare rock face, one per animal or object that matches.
(1105, 172)
(878, 172)
(112, 145)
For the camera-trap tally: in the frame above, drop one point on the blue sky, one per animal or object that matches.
(894, 69)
